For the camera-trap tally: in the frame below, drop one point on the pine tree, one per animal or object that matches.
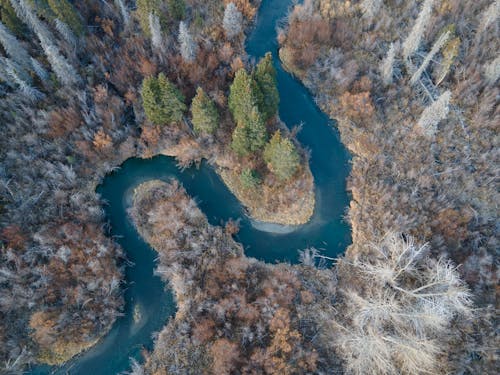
(281, 157)
(233, 21)
(249, 179)
(249, 135)
(244, 97)
(144, 9)
(177, 9)
(163, 103)
(204, 113)
(187, 44)
(65, 11)
(265, 76)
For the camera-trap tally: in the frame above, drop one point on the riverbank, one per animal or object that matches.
(74, 118)
(412, 172)
(234, 313)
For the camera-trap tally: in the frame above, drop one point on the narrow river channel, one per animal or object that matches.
(148, 305)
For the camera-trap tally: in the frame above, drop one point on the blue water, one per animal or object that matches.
(326, 231)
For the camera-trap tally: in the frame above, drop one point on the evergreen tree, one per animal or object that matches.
(243, 95)
(249, 179)
(177, 9)
(65, 11)
(204, 112)
(250, 134)
(265, 76)
(144, 9)
(163, 103)
(281, 157)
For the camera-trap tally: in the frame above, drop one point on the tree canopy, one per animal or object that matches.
(281, 157)
(163, 102)
(265, 76)
(204, 113)
(250, 134)
(65, 12)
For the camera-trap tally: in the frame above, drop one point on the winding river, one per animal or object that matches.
(148, 305)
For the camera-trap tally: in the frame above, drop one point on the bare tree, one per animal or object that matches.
(399, 318)
(370, 8)
(489, 16)
(443, 38)
(187, 44)
(155, 29)
(13, 48)
(433, 114)
(123, 11)
(413, 40)
(63, 70)
(492, 70)
(233, 21)
(387, 65)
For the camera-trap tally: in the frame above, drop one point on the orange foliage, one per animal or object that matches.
(244, 6)
(357, 106)
(224, 353)
(102, 141)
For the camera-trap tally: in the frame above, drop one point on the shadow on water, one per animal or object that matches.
(326, 231)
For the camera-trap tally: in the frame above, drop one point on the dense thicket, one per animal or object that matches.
(409, 85)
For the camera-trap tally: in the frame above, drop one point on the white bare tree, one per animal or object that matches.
(233, 21)
(187, 44)
(492, 70)
(387, 65)
(66, 74)
(123, 11)
(370, 8)
(413, 40)
(438, 44)
(66, 33)
(13, 48)
(433, 114)
(39, 70)
(156, 34)
(399, 317)
(489, 16)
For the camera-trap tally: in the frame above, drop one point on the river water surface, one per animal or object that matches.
(148, 306)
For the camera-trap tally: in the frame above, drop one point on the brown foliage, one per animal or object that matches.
(225, 354)
(63, 121)
(14, 236)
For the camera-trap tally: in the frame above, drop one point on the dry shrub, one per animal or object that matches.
(357, 107)
(13, 236)
(102, 141)
(63, 121)
(244, 6)
(225, 354)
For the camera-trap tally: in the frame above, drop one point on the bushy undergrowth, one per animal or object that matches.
(410, 85)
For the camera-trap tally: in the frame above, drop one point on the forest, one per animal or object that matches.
(413, 87)
(86, 85)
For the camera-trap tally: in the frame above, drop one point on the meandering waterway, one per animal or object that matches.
(148, 305)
